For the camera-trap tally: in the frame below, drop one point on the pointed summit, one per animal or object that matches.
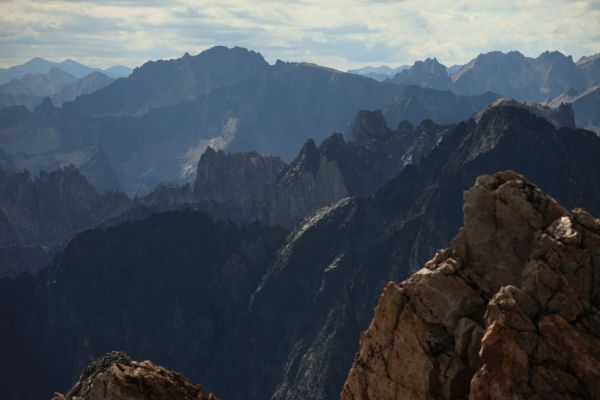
(369, 125)
(428, 74)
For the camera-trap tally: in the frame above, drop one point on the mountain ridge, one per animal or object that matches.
(153, 132)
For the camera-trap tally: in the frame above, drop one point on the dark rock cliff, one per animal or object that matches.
(221, 177)
(428, 74)
(50, 207)
(167, 288)
(322, 175)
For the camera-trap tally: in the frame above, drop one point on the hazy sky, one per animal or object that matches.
(340, 34)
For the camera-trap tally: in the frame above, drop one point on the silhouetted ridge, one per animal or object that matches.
(154, 125)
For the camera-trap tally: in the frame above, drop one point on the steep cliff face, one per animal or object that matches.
(416, 104)
(222, 177)
(50, 207)
(248, 186)
(428, 74)
(321, 289)
(117, 377)
(585, 104)
(510, 310)
(86, 85)
(322, 175)
(523, 78)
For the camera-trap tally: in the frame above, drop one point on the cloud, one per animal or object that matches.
(338, 33)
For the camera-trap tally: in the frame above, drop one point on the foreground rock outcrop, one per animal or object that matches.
(117, 377)
(510, 310)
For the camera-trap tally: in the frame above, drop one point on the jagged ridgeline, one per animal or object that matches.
(152, 126)
(40, 213)
(510, 309)
(214, 300)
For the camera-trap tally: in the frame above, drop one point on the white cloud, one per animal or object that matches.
(337, 33)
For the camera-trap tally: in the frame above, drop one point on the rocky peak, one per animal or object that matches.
(428, 126)
(555, 57)
(510, 309)
(46, 108)
(222, 177)
(115, 376)
(562, 116)
(369, 125)
(50, 207)
(333, 145)
(405, 127)
(322, 175)
(585, 104)
(429, 74)
(590, 67)
(308, 158)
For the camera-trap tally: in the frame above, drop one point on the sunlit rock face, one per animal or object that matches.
(510, 310)
(117, 377)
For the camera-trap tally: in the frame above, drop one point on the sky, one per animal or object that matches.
(339, 34)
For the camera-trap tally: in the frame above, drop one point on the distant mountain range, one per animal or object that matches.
(41, 66)
(154, 125)
(384, 72)
(57, 84)
(28, 84)
(551, 78)
(380, 73)
(507, 74)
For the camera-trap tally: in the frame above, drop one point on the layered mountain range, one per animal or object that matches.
(28, 84)
(237, 222)
(154, 125)
(552, 78)
(287, 305)
(50, 208)
(247, 186)
(380, 73)
(39, 65)
(508, 74)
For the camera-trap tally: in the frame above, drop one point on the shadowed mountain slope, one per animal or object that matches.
(155, 124)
